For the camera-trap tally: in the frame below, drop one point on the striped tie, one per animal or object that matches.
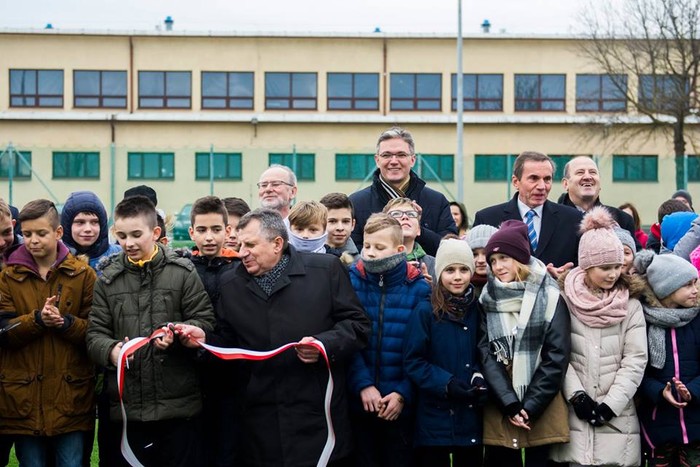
(531, 228)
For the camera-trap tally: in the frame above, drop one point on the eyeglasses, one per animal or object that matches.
(389, 155)
(399, 214)
(273, 184)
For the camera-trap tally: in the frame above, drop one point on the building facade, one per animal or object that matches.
(194, 113)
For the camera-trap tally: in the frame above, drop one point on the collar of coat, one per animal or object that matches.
(118, 264)
(20, 263)
(403, 272)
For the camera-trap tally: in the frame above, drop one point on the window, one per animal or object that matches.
(354, 166)
(290, 91)
(416, 91)
(21, 168)
(430, 165)
(36, 88)
(481, 92)
(227, 166)
(303, 165)
(493, 167)
(151, 165)
(353, 91)
(227, 90)
(693, 168)
(165, 89)
(601, 93)
(76, 165)
(540, 92)
(99, 89)
(635, 168)
(662, 93)
(560, 161)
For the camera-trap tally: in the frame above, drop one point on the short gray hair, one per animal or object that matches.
(271, 224)
(400, 133)
(290, 172)
(534, 156)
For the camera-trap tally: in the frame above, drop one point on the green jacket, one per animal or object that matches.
(132, 301)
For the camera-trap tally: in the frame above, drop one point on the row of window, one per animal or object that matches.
(228, 166)
(346, 91)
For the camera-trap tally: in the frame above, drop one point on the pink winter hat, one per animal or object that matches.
(599, 244)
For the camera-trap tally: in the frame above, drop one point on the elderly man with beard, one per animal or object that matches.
(582, 184)
(277, 188)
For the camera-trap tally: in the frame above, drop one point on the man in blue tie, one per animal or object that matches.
(552, 228)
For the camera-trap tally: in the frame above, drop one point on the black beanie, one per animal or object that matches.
(142, 190)
(511, 240)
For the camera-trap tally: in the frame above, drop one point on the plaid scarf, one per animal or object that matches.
(268, 280)
(660, 319)
(517, 315)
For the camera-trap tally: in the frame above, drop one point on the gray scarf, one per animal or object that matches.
(517, 316)
(660, 319)
(378, 266)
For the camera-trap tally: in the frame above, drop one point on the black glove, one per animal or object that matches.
(458, 390)
(513, 409)
(603, 414)
(584, 406)
(478, 395)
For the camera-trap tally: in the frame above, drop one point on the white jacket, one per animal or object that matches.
(608, 364)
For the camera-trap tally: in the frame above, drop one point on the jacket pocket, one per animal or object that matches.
(16, 394)
(76, 393)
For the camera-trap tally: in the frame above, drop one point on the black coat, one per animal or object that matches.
(284, 422)
(623, 219)
(549, 375)
(559, 237)
(436, 220)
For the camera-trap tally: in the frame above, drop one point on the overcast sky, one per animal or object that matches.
(513, 16)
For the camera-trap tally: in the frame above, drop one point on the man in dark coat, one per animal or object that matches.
(556, 226)
(394, 178)
(582, 184)
(279, 295)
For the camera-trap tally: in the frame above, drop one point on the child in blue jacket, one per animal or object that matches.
(442, 360)
(390, 289)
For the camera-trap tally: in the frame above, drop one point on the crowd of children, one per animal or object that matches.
(477, 356)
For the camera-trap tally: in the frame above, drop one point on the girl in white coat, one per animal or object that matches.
(608, 352)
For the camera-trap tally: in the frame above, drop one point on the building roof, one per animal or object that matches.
(295, 34)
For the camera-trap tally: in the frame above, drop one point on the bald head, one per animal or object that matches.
(582, 181)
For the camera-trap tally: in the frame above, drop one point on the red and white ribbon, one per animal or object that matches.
(130, 347)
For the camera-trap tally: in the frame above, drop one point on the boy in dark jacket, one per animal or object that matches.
(46, 386)
(143, 289)
(339, 226)
(390, 289)
(209, 231)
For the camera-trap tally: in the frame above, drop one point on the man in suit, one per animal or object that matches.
(552, 228)
(582, 184)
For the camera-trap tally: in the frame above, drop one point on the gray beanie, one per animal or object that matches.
(453, 251)
(665, 273)
(625, 238)
(479, 236)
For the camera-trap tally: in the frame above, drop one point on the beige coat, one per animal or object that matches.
(608, 364)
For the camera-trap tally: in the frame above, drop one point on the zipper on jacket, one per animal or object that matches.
(380, 326)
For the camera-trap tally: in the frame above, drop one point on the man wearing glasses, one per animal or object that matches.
(393, 178)
(277, 188)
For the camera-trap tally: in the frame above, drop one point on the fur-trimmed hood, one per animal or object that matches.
(635, 283)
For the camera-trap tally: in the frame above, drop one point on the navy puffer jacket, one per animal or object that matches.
(661, 422)
(389, 299)
(435, 351)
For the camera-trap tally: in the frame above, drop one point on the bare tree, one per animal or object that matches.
(650, 52)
